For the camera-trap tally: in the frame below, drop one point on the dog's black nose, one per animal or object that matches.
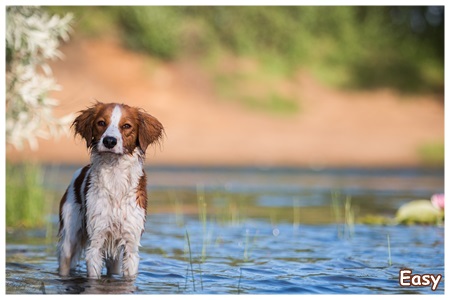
(109, 142)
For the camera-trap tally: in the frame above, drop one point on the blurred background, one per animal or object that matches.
(301, 115)
(313, 88)
(260, 86)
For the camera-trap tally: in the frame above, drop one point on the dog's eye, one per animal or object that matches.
(126, 126)
(101, 123)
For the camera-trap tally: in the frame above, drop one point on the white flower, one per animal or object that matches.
(32, 38)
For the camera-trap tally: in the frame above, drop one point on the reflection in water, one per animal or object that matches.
(109, 285)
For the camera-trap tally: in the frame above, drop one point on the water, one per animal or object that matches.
(254, 231)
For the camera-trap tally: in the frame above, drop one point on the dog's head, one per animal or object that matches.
(117, 128)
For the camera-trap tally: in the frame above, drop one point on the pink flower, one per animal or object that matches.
(438, 201)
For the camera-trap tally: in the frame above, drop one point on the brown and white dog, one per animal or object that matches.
(103, 210)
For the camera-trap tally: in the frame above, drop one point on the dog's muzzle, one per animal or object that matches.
(109, 142)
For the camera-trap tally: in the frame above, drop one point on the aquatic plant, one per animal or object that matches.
(389, 250)
(190, 260)
(246, 245)
(27, 203)
(202, 217)
(239, 281)
(345, 222)
(438, 201)
(349, 217)
(177, 207)
(419, 212)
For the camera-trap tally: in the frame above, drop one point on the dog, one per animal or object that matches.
(103, 211)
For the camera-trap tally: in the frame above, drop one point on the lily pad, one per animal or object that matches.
(419, 212)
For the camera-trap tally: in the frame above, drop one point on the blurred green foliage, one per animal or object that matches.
(432, 154)
(27, 204)
(352, 47)
(256, 91)
(152, 29)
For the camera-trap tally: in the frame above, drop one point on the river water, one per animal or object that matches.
(254, 231)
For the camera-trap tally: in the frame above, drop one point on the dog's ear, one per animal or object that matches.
(150, 130)
(83, 124)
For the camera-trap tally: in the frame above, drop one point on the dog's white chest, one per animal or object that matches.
(112, 212)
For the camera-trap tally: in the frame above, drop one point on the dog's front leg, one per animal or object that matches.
(131, 259)
(94, 257)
